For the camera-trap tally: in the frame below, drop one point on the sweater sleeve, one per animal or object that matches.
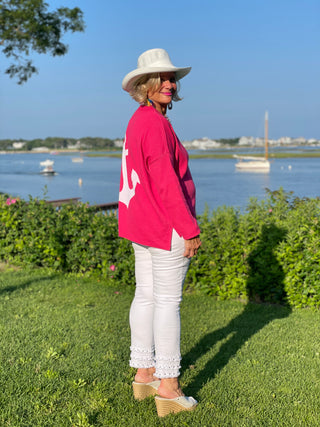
(170, 192)
(159, 157)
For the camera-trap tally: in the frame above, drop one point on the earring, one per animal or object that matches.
(170, 105)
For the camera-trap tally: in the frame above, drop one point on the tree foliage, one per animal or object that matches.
(28, 26)
(58, 143)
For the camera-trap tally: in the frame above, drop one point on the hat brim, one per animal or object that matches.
(130, 78)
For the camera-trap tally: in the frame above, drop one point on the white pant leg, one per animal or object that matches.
(169, 272)
(141, 311)
(155, 311)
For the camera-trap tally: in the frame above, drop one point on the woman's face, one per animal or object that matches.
(162, 96)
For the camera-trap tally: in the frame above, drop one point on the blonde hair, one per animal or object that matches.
(147, 82)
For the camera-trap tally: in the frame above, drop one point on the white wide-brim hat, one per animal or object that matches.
(153, 61)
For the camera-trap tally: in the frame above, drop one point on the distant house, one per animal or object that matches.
(118, 143)
(40, 149)
(201, 144)
(205, 143)
(75, 146)
(247, 140)
(18, 145)
(299, 141)
(273, 141)
(78, 145)
(259, 142)
(285, 140)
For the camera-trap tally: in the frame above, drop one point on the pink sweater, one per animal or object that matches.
(157, 193)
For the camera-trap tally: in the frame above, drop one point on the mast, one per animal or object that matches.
(266, 120)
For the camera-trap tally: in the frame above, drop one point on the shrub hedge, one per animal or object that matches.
(270, 253)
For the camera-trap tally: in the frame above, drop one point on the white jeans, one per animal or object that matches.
(155, 310)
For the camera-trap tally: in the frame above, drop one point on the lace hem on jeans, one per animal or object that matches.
(167, 367)
(142, 358)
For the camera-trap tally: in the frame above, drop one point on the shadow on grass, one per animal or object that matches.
(23, 285)
(265, 283)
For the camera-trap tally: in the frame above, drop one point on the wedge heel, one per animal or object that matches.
(143, 390)
(173, 406)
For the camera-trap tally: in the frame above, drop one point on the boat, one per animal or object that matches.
(47, 167)
(77, 159)
(256, 164)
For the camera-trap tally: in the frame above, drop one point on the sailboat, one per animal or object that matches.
(256, 164)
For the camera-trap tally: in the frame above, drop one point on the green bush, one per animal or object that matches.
(270, 253)
(73, 238)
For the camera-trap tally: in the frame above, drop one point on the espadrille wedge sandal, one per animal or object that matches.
(143, 390)
(168, 406)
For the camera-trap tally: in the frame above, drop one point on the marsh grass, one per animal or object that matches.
(212, 155)
(65, 348)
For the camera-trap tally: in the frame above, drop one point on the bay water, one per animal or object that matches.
(217, 180)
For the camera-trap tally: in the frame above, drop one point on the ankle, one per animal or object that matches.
(170, 388)
(145, 375)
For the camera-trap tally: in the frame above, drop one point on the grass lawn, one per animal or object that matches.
(65, 347)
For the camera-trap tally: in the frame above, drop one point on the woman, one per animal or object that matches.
(157, 213)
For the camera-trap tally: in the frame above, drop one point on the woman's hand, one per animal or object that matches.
(192, 246)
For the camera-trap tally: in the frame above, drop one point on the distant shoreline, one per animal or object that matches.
(211, 155)
(204, 155)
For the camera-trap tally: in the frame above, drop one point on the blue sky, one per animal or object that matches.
(247, 57)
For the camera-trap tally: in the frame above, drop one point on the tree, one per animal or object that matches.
(28, 25)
